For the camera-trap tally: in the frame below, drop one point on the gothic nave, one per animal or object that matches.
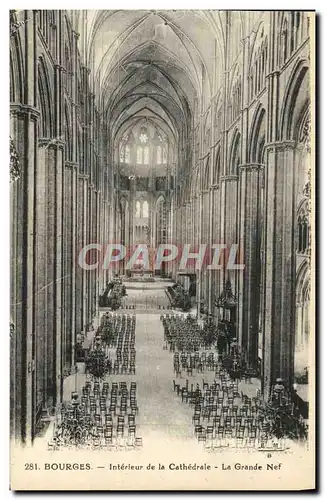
(139, 127)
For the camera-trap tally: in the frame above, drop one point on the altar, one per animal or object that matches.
(141, 273)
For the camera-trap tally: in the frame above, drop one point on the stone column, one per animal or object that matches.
(58, 272)
(58, 233)
(83, 210)
(198, 240)
(279, 282)
(97, 240)
(75, 189)
(104, 239)
(74, 261)
(79, 245)
(210, 243)
(222, 230)
(90, 223)
(251, 179)
(66, 265)
(101, 237)
(45, 256)
(229, 187)
(214, 239)
(41, 277)
(24, 117)
(24, 132)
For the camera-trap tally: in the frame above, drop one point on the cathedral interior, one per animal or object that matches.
(158, 127)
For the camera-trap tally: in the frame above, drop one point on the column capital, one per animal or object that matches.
(275, 72)
(71, 164)
(281, 145)
(83, 176)
(24, 109)
(76, 34)
(46, 142)
(225, 178)
(59, 67)
(249, 167)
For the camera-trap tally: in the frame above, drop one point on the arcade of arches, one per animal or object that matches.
(185, 127)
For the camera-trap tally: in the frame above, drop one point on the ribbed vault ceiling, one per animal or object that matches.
(149, 64)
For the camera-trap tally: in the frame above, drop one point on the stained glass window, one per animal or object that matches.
(145, 209)
(303, 232)
(159, 155)
(127, 154)
(146, 155)
(139, 155)
(164, 156)
(122, 154)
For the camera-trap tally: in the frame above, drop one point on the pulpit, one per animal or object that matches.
(227, 305)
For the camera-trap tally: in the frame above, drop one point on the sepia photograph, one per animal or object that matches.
(162, 250)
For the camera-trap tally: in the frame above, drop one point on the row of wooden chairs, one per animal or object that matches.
(105, 413)
(221, 412)
(182, 334)
(123, 360)
(99, 443)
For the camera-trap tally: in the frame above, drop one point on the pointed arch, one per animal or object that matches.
(258, 61)
(45, 100)
(206, 174)
(16, 68)
(234, 158)
(217, 166)
(302, 281)
(302, 310)
(67, 131)
(257, 135)
(16, 65)
(80, 150)
(296, 98)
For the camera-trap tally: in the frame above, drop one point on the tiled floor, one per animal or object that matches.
(164, 422)
(161, 411)
(146, 295)
(163, 419)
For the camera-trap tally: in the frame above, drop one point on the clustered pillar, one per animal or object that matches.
(56, 209)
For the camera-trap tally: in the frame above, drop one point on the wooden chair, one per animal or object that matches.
(205, 413)
(132, 431)
(138, 443)
(202, 435)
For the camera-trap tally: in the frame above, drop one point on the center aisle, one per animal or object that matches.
(162, 414)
